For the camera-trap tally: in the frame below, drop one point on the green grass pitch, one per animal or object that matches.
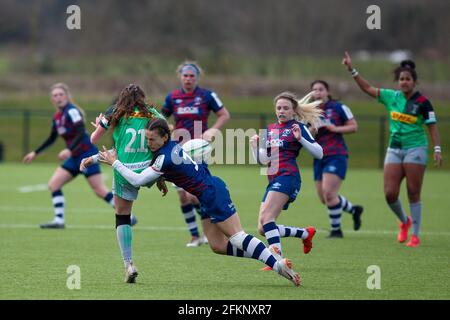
(34, 261)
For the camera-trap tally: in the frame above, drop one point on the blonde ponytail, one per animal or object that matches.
(306, 110)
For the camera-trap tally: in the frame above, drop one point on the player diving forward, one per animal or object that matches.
(223, 227)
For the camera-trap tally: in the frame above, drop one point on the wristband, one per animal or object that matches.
(437, 149)
(95, 158)
(354, 72)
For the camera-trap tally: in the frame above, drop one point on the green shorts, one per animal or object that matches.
(124, 190)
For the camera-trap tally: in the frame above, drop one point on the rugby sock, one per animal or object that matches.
(347, 206)
(124, 236)
(397, 208)
(254, 248)
(109, 199)
(334, 212)
(58, 205)
(235, 252)
(189, 217)
(197, 208)
(416, 215)
(272, 234)
(292, 232)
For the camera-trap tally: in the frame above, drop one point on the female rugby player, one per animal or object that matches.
(406, 157)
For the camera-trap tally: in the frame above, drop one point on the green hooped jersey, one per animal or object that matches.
(130, 142)
(406, 118)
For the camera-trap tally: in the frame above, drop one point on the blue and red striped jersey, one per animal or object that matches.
(338, 114)
(283, 148)
(189, 107)
(68, 123)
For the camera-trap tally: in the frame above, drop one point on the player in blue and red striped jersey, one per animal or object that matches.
(68, 122)
(329, 172)
(221, 225)
(280, 148)
(191, 106)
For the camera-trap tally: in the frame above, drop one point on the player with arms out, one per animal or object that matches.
(191, 106)
(127, 119)
(406, 157)
(279, 150)
(222, 225)
(68, 122)
(330, 171)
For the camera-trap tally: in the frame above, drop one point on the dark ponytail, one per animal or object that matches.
(406, 66)
(325, 84)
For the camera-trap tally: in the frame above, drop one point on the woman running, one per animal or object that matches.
(329, 172)
(222, 224)
(191, 106)
(279, 150)
(68, 122)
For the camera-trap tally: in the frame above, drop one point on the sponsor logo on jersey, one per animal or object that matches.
(286, 132)
(274, 143)
(178, 101)
(188, 110)
(157, 165)
(405, 118)
(197, 101)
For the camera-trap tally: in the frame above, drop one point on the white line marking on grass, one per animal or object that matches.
(33, 188)
(183, 229)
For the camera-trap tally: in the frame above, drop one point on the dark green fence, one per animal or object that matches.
(24, 130)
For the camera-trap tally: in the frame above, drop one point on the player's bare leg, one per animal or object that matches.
(98, 186)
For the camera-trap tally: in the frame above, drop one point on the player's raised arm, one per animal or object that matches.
(362, 83)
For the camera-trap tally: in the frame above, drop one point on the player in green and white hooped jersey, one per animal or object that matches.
(406, 156)
(127, 119)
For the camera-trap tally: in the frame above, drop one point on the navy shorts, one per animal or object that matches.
(72, 164)
(217, 203)
(289, 185)
(331, 164)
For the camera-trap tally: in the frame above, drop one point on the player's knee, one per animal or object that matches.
(51, 186)
(184, 198)
(329, 196)
(391, 196)
(413, 196)
(217, 248)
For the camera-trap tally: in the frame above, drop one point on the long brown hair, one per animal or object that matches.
(130, 97)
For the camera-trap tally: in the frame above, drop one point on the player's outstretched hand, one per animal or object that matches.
(296, 131)
(209, 134)
(437, 159)
(97, 120)
(108, 156)
(86, 162)
(29, 157)
(161, 184)
(347, 60)
(64, 154)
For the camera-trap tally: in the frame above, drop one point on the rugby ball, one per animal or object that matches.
(198, 149)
